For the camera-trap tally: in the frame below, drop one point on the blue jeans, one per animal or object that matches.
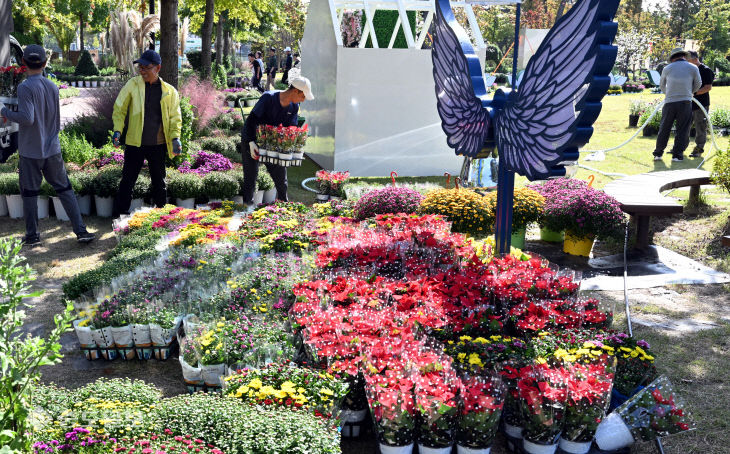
(32, 172)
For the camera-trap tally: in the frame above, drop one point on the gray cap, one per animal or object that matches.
(34, 54)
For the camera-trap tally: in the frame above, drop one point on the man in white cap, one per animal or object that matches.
(287, 65)
(680, 80)
(274, 108)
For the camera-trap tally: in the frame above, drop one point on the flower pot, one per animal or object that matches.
(93, 84)
(231, 103)
(513, 431)
(88, 346)
(60, 210)
(3, 205)
(633, 121)
(298, 155)
(269, 195)
(426, 450)
(185, 203)
(272, 154)
(551, 236)
(238, 199)
(649, 131)
(213, 374)
(613, 433)
(104, 339)
(251, 102)
(536, 448)
(575, 447)
(464, 450)
(191, 374)
(285, 156)
(575, 245)
(322, 197)
(142, 340)
(518, 239)
(43, 203)
(84, 204)
(136, 204)
(104, 206)
(123, 340)
(258, 197)
(385, 449)
(263, 152)
(15, 205)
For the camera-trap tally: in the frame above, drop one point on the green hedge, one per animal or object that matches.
(195, 59)
(384, 23)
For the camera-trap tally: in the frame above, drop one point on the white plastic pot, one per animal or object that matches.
(84, 204)
(231, 103)
(104, 206)
(93, 84)
(263, 152)
(43, 207)
(385, 449)
(536, 448)
(3, 205)
(185, 203)
(426, 450)
(322, 197)
(191, 374)
(60, 210)
(136, 204)
(213, 374)
(574, 447)
(513, 431)
(298, 155)
(269, 195)
(238, 199)
(15, 205)
(464, 450)
(258, 197)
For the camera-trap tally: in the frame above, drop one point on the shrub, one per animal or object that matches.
(76, 148)
(106, 182)
(720, 117)
(555, 188)
(527, 207)
(468, 211)
(237, 174)
(121, 389)
(218, 145)
(720, 170)
(387, 200)
(9, 184)
(204, 99)
(195, 59)
(92, 128)
(46, 190)
(264, 182)
(86, 65)
(218, 75)
(585, 212)
(141, 187)
(84, 182)
(184, 185)
(219, 185)
(205, 162)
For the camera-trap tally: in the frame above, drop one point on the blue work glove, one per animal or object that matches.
(115, 138)
(176, 147)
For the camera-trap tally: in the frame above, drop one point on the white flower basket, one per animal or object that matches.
(123, 341)
(238, 199)
(298, 155)
(231, 103)
(15, 205)
(3, 205)
(263, 152)
(213, 374)
(60, 210)
(285, 156)
(105, 341)
(142, 340)
(84, 205)
(385, 449)
(43, 203)
(513, 431)
(93, 83)
(322, 197)
(191, 375)
(83, 333)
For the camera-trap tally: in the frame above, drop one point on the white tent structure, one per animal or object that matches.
(375, 108)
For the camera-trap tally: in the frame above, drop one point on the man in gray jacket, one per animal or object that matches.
(680, 80)
(39, 118)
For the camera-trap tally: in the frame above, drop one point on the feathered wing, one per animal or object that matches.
(558, 99)
(457, 72)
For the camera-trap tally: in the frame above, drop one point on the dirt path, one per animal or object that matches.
(78, 106)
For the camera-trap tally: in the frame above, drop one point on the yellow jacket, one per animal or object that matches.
(130, 103)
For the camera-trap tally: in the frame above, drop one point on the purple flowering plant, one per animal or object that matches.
(387, 200)
(205, 162)
(79, 440)
(573, 206)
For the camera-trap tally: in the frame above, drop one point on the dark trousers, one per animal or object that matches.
(681, 112)
(700, 123)
(32, 172)
(251, 172)
(285, 77)
(256, 83)
(133, 160)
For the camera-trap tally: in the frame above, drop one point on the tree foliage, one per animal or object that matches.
(711, 25)
(633, 48)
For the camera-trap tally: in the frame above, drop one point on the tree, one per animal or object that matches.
(711, 26)
(63, 29)
(169, 41)
(680, 15)
(497, 25)
(92, 13)
(633, 48)
(660, 50)
(206, 37)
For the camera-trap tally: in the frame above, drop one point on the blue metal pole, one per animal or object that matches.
(506, 178)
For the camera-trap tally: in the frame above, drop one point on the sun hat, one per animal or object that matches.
(302, 83)
(677, 52)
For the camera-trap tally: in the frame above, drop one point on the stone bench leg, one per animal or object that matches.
(642, 232)
(694, 194)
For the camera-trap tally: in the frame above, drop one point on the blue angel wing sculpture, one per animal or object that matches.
(549, 117)
(460, 91)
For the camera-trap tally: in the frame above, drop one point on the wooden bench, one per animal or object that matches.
(640, 196)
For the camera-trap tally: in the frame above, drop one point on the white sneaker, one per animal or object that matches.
(657, 158)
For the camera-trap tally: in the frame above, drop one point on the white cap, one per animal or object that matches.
(303, 84)
(287, 49)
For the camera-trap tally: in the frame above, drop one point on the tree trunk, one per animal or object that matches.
(152, 34)
(81, 32)
(561, 10)
(226, 43)
(219, 38)
(168, 41)
(207, 34)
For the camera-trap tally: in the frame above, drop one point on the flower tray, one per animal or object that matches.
(10, 102)
(281, 162)
(160, 353)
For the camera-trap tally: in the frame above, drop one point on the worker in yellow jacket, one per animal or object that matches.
(151, 108)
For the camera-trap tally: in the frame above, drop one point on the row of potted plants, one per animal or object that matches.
(247, 98)
(86, 81)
